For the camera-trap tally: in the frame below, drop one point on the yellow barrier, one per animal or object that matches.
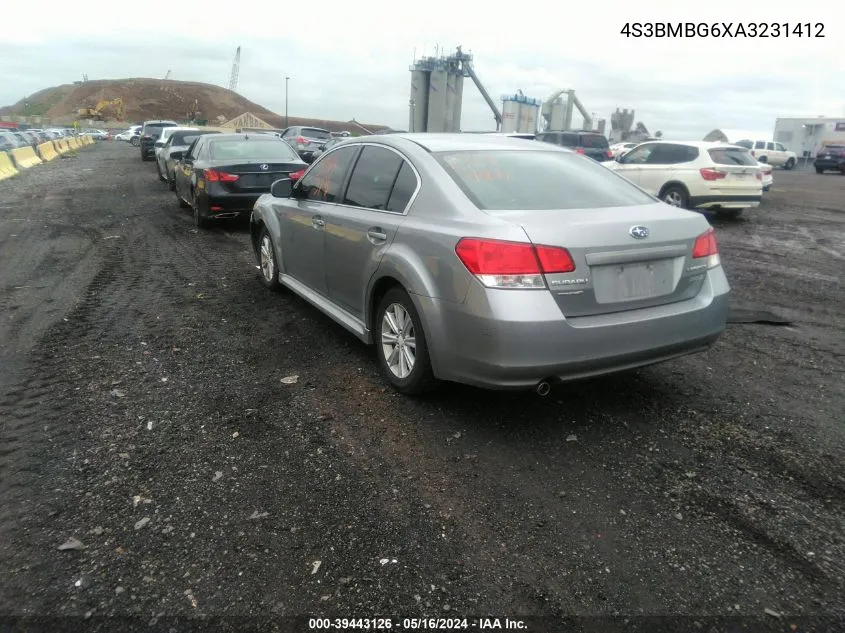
(61, 145)
(82, 140)
(72, 143)
(25, 157)
(89, 140)
(7, 167)
(47, 151)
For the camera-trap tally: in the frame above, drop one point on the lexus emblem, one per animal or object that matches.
(638, 232)
(264, 167)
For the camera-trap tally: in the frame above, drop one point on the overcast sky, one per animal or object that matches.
(351, 59)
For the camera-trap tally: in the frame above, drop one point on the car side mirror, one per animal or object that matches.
(177, 155)
(159, 143)
(282, 188)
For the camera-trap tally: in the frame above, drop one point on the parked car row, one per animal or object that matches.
(432, 248)
(11, 138)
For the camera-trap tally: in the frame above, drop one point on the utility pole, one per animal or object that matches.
(287, 79)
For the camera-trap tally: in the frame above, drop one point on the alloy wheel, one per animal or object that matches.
(398, 340)
(673, 198)
(268, 264)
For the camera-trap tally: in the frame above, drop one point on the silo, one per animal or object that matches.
(528, 113)
(437, 101)
(459, 96)
(510, 114)
(558, 116)
(449, 114)
(419, 101)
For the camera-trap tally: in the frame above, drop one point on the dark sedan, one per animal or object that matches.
(831, 157)
(222, 175)
(306, 140)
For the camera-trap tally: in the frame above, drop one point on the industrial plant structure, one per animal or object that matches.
(519, 113)
(556, 113)
(437, 88)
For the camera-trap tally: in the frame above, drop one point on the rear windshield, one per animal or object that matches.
(311, 132)
(527, 180)
(275, 149)
(731, 156)
(156, 128)
(186, 138)
(835, 148)
(593, 140)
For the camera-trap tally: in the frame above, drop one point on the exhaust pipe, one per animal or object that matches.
(543, 388)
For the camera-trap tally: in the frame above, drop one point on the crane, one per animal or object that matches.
(236, 68)
(167, 76)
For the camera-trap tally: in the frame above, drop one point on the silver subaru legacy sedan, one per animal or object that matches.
(491, 261)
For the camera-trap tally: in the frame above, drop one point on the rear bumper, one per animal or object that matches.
(490, 340)
(222, 204)
(829, 164)
(724, 202)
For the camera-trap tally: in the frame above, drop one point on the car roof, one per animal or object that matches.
(445, 142)
(247, 136)
(698, 144)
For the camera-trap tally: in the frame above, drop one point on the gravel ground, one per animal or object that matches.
(143, 414)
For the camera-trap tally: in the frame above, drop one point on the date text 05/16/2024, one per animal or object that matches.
(416, 624)
(723, 29)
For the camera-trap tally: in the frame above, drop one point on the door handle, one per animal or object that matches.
(376, 234)
(317, 222)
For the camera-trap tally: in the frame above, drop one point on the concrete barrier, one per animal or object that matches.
(47, 151)
(59, 145)
(89, 140)
(7, 167)
(72, 143)
(25, 157)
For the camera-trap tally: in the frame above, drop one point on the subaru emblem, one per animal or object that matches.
(264, 167)
(638, 232)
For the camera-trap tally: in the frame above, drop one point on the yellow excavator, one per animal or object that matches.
(97, 111)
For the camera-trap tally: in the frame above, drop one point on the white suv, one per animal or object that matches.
(694, 175)
(770, 152)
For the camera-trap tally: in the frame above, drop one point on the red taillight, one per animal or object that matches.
(503, 264)
(213, 175)
(711, 174)
(759, 175)
(296, 175)
(301, 140)
(579, 150)
(753, 153)
(705, 245)
(609, 154)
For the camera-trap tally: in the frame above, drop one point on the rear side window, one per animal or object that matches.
(373, 177)
(403, 189)
(568, 140)
(670, 154)
(745, 143)
(593, 140)
(731, 156)
(324, 181)
(528, 180)
(760, 145)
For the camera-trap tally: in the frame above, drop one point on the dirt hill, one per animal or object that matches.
(150, 99)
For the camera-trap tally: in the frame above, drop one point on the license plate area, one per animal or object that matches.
(614, 283)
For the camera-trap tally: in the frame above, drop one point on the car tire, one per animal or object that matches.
(675, 196)
(200, 221)
(731, 214)
(790, 163)
(171, 182)
(158, 171)
(819, 170)
(182, 203)
(267, 266)
(417, 378)
(763, 159)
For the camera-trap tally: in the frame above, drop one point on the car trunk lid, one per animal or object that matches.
(625, 258)
(253, 176)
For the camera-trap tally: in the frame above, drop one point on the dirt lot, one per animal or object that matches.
(143, 414)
